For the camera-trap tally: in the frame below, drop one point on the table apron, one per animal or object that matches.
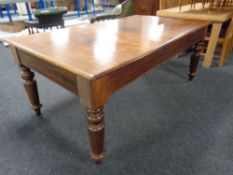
(118, 78)
(63, 77)
(130, 72)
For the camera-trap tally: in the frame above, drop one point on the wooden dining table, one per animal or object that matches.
(214, 16)
(95, 60)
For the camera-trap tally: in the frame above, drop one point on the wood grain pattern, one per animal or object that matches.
(63, 77)
(94, 50)
(96, 60)
(150, 61)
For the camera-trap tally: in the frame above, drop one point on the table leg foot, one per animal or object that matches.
(97, 157)
(30, 86)
(194, 60)
(95, 119)
(38, 112)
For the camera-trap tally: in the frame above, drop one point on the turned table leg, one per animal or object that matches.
(95, 119)
(31, 89)
(93, 95)
(194, 60)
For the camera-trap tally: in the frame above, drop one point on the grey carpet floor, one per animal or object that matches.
(161, 124)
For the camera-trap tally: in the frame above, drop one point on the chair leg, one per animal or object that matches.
(229, 48)
(224, 52)
(231, 43)
(226, 44)
(212, 45)
(29, 31)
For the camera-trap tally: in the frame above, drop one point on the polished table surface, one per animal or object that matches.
(94, 50)
(94, 61)
(215, 16)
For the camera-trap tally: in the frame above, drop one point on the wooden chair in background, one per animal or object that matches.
(225, 39)
(165, 4)
(214, 4)
(225, 42)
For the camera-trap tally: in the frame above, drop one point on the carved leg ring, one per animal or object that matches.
(195, 60)
(95, 119)
(31, 89)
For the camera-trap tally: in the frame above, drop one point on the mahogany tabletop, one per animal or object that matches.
(97, 49)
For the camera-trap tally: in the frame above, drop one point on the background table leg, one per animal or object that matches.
(41, 4)
(93, 6)
(31, 89)
(194, 60)
(29, 13)
(77, 6)
(1, 12)
(15, 8)
(8, 12)
(86, 6)
(46, 4)
(52, 3)
(95, 119)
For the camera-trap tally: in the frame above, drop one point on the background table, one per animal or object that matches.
(94, 61)
(216, 17)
